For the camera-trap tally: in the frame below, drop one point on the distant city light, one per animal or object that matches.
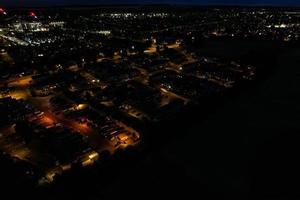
(2, 11)
(32, 14)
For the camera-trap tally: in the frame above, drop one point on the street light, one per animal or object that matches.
(2, 11)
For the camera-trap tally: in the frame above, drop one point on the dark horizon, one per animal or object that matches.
(247, 3)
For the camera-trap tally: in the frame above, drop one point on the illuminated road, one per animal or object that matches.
(14, 40)
(95, 140)
(169, 96)
(23, 81)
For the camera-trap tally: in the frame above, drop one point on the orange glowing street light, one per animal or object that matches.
(48, 120)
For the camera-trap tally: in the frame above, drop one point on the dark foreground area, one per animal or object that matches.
(247, 149)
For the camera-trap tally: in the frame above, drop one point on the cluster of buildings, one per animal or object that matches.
(74, 84)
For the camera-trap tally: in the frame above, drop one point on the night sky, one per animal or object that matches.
(201, 2)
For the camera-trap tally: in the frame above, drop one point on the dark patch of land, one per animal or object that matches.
(247, 147)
